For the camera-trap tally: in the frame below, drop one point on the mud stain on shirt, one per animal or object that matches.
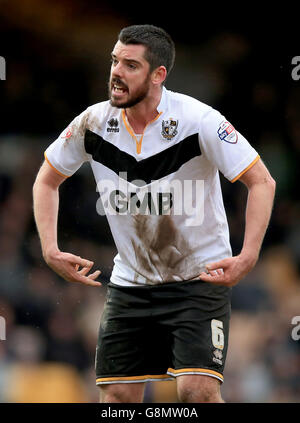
(160, 248)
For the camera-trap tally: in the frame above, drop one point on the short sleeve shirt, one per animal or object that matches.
(160, 190)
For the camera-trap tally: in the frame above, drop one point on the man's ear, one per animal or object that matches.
(159, 75)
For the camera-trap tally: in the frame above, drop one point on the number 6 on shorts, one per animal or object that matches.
(217, 334)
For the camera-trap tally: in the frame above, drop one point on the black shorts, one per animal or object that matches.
(158, 332)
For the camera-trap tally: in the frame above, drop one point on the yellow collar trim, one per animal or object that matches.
(138, 143)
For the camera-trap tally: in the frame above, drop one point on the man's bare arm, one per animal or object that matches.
(261, 191)
(45, 204)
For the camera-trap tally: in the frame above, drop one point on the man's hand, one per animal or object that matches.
(67, 266)
(227, 272)
(261, 190)
(45, 200)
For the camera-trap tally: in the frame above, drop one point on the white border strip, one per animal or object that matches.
(134, 381)
(195, 373)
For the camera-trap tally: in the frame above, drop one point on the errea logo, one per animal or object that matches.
(113, 125)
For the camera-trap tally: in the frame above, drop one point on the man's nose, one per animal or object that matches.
(117, 70)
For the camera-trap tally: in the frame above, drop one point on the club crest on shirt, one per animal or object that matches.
(169, 128)
(227, 133)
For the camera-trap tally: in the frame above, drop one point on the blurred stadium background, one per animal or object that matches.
(57, 63)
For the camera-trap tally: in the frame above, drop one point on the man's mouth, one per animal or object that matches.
(119, 88)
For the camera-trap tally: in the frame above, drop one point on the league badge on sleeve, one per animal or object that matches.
(226, 132)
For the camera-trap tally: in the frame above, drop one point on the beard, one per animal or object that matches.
(132, 98)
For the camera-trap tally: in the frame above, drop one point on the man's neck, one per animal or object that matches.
(140, 115)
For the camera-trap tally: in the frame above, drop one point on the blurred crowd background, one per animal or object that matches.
(57, 63)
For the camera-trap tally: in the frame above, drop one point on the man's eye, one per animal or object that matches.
(131, 66)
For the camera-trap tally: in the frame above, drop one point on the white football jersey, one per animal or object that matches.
(160, 190)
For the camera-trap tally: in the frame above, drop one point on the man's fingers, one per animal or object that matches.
(217, 265)
(226, 272)
(84, 270)
(91, 282)
(217, 272)
(211, 276)
(206, 277)
(217, 279)
(87, 280)
(94, 275)
(78, 261)
(73, 268)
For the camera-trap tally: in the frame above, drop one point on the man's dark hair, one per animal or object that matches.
(160, 48)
